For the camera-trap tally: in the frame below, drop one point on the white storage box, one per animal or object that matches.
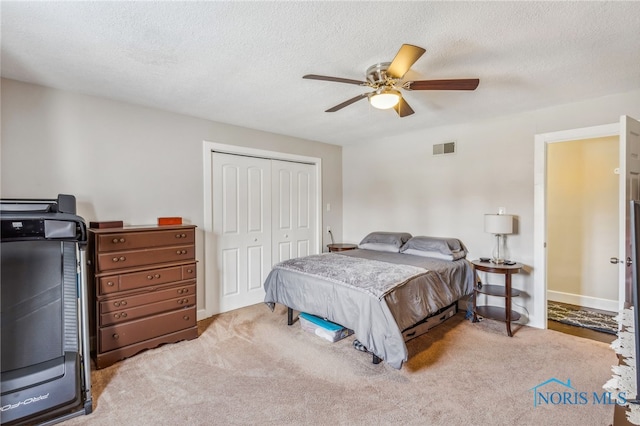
(320, 327)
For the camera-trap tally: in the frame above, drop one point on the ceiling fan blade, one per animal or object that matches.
(403, 109)
(336, 79)
(347, 103)
(406, 56)
(460, 84)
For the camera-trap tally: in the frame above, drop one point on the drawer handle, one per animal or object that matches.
(110, 283)
(190, 271)
(181, 252)
(186, 317)
(124, 315)
(186, 300)
(185, 290)
(116, 304)
(181, 236)
(180, 301)
(123, 303)
(157, 275)
(116, 336)
(122, 258)
(116, 316)
(149, 277)
(115, 259)
(116, 240)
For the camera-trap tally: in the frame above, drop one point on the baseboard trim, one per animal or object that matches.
(581, 300)
(201, 314)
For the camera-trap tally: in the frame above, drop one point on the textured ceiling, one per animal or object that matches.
(242, 62)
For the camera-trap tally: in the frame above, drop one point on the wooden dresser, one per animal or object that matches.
(144, 285)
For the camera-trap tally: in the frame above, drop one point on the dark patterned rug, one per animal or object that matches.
(582, 318)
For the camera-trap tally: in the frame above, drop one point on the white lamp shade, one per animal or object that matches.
(498, 223)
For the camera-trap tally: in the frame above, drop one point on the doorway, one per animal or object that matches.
(582, 222)
(627, 130)
(542, 144)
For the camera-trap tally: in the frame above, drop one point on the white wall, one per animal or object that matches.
(126, 162)
(396, 183)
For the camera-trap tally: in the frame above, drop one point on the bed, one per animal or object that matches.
(392, 282)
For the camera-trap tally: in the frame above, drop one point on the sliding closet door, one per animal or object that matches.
(242, 228)
(294, 210)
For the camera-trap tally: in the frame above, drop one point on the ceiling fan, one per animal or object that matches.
(385, 79)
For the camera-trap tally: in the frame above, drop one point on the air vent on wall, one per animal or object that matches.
(444, 148)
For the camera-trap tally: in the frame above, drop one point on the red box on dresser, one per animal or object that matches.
(144, 289)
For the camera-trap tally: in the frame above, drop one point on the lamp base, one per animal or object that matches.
(499, 253)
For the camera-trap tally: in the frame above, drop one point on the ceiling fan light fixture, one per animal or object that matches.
(384, 98)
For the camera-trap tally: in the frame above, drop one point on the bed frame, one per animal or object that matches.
(409, 333)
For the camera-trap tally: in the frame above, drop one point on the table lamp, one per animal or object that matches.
(499, 225)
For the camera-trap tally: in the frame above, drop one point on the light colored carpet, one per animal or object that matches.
(249, 367)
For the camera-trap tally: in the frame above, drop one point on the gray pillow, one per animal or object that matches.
(439, 248)
(385, 241)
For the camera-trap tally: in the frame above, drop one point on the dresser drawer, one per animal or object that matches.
(149, 278)
(132, 313)
(134, 240)
(189, 272)
(120, 335)
(121, 303)
(136, 258)
(136, 280)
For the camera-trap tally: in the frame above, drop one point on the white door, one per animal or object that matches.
(629, 190)
(294, 210)
(242, 229)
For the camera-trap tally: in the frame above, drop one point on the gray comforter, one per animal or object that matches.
(376, 294)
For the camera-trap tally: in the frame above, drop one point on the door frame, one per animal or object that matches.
(540, 208)
(208, 148)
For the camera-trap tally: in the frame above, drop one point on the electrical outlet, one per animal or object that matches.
(328, 229)
(502, 210)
